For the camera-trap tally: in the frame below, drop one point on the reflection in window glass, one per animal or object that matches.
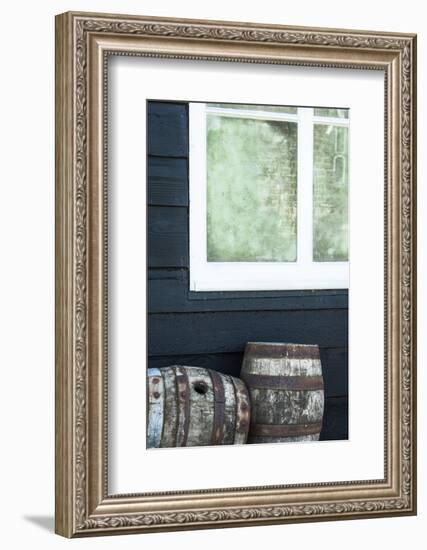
(337, 113)
(251, 190)
(330, 193)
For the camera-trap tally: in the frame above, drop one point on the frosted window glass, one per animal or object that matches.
(265, 108)
(251, 190)
(330, 193)
(337, 113)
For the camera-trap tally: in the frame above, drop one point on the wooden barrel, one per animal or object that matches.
(286, 391)
(192, 406)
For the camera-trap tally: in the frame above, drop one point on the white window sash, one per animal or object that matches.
(272, 115)
(305, 188)
(228, 276)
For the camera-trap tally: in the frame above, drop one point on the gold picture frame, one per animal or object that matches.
(83, 43)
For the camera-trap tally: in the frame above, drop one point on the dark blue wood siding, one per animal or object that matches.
(210, 329)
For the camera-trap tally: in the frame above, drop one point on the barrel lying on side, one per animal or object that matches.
(192, 406)
(286, 391)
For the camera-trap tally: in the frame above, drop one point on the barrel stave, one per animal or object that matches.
(286, 407)
(243, 411)
(201, 406)
(170, 414)
(183, 406)
(231, 410)
(155, 401)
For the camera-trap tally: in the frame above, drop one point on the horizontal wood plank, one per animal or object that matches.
(167, 181)
(335, 419)
(228, 332)
(168, 292)
(335, 371)
(167, 129)
(167, 236)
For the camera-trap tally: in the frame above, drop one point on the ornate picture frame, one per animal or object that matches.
(84, 42)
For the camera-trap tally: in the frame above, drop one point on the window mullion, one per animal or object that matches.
(305, 186)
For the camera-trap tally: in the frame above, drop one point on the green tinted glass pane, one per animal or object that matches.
(265, 108)
(330, 193)
(251, 190)
(337, 113)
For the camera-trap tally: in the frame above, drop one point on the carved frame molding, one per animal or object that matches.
(83, 43)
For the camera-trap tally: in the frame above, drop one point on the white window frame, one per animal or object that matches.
(302, 274)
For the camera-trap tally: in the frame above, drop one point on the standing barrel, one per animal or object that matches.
(192, 406)
(286, 391)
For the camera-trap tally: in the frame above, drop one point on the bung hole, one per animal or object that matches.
(200, 387)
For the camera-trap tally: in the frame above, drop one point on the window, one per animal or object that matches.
(268, 197)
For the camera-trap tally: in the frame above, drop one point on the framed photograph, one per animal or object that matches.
(235, 274)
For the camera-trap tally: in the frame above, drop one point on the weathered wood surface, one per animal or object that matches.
(286, 391)
(192, 406)
(168, 292)
(170, 410)
(167, 236)
(155, 397)
(335, 418)
(167, 129)
(228, 332)
(242, 411)
(167, 180)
